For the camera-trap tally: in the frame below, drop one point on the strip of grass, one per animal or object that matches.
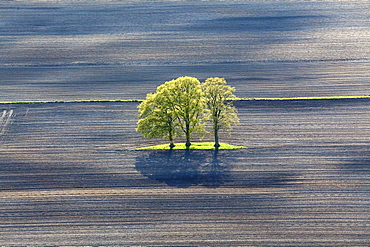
(233, 99)
(306, 98)
(69, 101)
(194, 146)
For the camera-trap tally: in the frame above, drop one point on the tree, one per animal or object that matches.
(184, 97)
(157, 120)
(222, 113)
(176, 108)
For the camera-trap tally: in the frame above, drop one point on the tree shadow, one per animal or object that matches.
(209, 168)
(357, 166)
(184, 168)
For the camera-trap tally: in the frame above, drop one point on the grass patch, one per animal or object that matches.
(194, 146)
(233, 99)
(70, 101)
(305, 98)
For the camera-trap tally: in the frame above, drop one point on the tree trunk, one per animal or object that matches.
(188, 143)
(217, 144)
(172, 145)
(215, 131)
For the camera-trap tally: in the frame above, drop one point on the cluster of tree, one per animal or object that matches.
(184, 106)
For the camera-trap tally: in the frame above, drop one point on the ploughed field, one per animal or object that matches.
(112, 49)
(70, 175)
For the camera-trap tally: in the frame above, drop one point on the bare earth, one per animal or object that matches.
(69, 176)
(115, 49)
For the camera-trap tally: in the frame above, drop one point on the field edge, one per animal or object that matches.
(231, 99)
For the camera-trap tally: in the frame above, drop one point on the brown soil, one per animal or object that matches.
(69, 176)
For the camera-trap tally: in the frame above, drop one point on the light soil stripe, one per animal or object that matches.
(138, 192)
(234, 99)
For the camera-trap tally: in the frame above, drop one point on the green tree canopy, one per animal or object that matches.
(184, 96)
(157, 119)
(178, 106)
(222, 113)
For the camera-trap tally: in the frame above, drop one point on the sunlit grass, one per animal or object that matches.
(233, 99)
(69, 101)
(194, 146)
(307, 98)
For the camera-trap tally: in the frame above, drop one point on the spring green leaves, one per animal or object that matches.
(183, 107)
(222, 114)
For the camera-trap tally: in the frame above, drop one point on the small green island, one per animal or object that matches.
(194, 146)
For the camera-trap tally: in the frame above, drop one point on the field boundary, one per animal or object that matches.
(231, 99)
(304, 98)
(68, 101)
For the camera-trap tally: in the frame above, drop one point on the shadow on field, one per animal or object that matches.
(207, 168)
(286, 22)
(360, 166)
(184, 168)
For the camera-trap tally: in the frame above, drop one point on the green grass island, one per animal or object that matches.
(194, 146)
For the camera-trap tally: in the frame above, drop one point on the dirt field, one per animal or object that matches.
(69, 176)
(114, 49)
